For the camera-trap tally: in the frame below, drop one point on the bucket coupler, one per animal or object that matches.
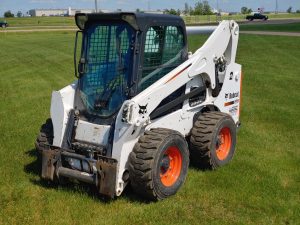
(102, 172)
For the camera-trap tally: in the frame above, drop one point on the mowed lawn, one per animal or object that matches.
(260, 186)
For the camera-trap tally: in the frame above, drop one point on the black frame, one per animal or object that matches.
(141, 22)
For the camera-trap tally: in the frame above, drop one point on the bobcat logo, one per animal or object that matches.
(143, 109)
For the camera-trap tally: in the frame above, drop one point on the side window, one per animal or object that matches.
(164, 46)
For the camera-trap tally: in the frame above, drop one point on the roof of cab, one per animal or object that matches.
(142, 20)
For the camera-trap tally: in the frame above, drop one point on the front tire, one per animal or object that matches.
(213, 140)
(158, 163)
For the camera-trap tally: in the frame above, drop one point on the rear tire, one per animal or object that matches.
(213, 140)
(158, 163)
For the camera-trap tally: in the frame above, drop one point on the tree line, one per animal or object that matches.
(200, 8)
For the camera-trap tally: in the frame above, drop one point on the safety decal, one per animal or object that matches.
(143, 109)
(233, 110)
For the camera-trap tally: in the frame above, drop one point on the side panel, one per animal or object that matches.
(228, 100)
(62, 102)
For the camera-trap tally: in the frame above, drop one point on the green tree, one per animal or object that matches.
(244, 10)
(19, 14)
(8, 14)
(289, 10)
(198, 10)
(171, 11)
(186, 9)
(206, 8)
(192, 11)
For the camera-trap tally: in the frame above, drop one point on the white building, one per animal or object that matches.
(60, 12)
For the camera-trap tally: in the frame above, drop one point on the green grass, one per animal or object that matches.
(69, 21)
(289, 27)
(260, 186)
(40, 21)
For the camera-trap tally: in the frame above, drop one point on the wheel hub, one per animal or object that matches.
(165, 164)
(223, 143)
(170, 166)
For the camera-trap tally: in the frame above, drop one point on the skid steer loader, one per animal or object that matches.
(142, 106)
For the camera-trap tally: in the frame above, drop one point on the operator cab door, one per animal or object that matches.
(164, 49)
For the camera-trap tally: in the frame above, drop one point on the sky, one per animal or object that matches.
(131, 5)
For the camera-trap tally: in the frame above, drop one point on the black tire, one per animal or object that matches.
(3, 26)
(45, 137)
(213, 140)
(151, 160)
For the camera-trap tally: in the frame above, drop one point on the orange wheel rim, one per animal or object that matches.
(223, 144)
(170, 166)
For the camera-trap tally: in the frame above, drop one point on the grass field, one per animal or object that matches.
(69, 21)
(260, 186)
(289, 27)
(40, 21)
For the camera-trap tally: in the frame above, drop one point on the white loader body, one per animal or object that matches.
(198, 70)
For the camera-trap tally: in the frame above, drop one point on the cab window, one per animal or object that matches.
(164, 50)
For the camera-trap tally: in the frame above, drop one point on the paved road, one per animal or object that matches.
(291, 34)
(275, 21)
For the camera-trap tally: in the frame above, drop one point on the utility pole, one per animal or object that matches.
(218, 6)
(276, 10)
(96, 7)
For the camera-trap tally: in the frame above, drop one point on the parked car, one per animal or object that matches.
(3, 24)
(256, 16)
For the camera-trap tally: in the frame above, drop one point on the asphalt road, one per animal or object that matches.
(275, 21)
(291, 34)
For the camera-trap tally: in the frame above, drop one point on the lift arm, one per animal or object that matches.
(222, 43)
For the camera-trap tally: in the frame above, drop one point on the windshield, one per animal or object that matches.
(107, 56)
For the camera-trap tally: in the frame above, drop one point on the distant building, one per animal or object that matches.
(60, 12)
(47, 12)
(154, 12)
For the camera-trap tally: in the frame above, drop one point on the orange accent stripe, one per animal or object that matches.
(228, 103)
(241, 84)
(173, 77)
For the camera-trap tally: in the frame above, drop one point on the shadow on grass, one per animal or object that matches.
(35, 168)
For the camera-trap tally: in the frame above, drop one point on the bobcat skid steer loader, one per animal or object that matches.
(143, 106)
